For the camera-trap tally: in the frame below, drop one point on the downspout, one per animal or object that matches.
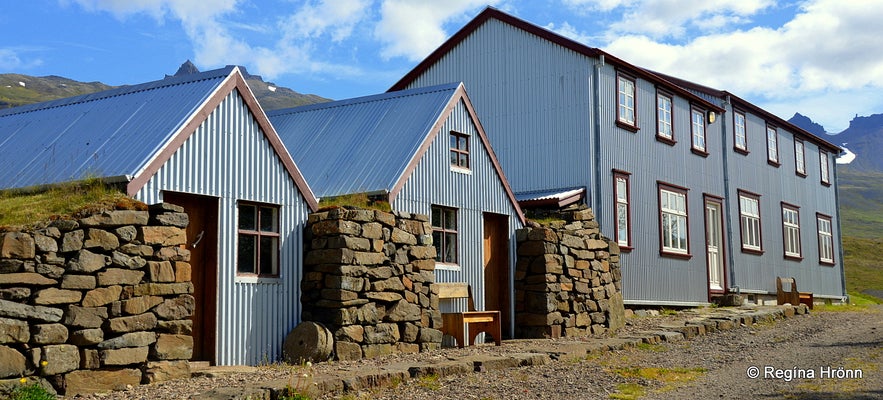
(839, 231)
(732, 286)
(595, 143)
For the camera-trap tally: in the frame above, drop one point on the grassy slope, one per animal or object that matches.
(39, 89)
(861, 211)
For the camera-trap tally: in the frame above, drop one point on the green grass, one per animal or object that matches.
(22, 210)
(360, 200)
(862, 266)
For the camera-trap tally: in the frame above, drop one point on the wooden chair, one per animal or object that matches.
(467, 325)
(792, 296)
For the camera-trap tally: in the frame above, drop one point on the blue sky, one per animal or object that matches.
(821, 58)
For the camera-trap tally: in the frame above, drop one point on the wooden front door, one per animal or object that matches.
(714, 245)
(496, 267)
(202, 241)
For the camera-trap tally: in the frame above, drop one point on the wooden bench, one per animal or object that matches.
(468, 324)
(792, 296)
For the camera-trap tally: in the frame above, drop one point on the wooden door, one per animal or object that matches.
(202, 241)
(714, 245)
(496, 267)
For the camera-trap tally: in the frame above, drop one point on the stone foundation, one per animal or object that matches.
(368, 278)
(567, 279)
(97, 303)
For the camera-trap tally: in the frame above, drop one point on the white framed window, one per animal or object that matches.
(625, 111)
(800, 157)
(444, 235)
(824, 168)
(697, 124)
(665, 129)
(740, 136)
(749, 221)
(258, 240)
(791, 230)
(826, 239)
(772, 145)
(673, 220)
(623, 208)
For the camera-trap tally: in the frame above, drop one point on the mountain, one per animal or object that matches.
(17, 89)
(807, 124)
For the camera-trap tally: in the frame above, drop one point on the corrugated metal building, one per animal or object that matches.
(426, 152)
(650, 154)
(201, 141)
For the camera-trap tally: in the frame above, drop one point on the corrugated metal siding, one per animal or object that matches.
(105, 134)
(525, 106)
(359, 145)
(752, 173)
(647, 276)
(228, 157)
(473, 194)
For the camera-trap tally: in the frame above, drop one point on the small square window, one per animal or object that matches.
(444, 234)
(459, 150)
(258, 240)
(749, 221)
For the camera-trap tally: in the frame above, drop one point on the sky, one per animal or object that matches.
(821, 58)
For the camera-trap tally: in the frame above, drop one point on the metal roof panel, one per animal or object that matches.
(104, 134)
(364, 144)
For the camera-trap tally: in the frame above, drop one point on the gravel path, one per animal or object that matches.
(718, 365)
(711, 366)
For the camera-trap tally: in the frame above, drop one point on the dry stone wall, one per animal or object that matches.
(368, 278)
(97, 303)
(567, 279)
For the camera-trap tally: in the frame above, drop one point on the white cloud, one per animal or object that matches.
(11, 60)
(673, 18)
(414, 29)
(337, 17)
(207, 24)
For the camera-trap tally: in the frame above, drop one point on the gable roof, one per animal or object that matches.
(123, 134)
(372, 144)
(493, 13)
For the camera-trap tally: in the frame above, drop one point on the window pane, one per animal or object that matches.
(463, 143)
(268, 219)
(247, 217)
(450, 248)
(246, 256)
(464, 160)
(450, 219)
(439, 245)
(453, 141)
(436, 219)
(269, 253)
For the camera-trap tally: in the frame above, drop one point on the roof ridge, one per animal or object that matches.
(367, 99)
(119, 91)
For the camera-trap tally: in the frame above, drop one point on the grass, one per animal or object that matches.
(864, 271)
(359, 200)
(429, 382)
(71, 200)
(669, 378)
(628, 391)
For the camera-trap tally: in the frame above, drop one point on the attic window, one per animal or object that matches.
(258, 240)
(459, 150)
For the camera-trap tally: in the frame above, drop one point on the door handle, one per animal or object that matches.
(198, 239)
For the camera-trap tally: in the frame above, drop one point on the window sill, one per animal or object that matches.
(793, 258)
(682, 256)
(773, 163)
(800, 174)
(753, 251)
(827, 263)
(665, 140)
(625, 249)
(699, 152)
(461, 170)
(447, 266)
(258, 279)
(826, 184)
(627, 126)
(741, 151)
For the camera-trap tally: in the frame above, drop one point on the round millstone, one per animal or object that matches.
(309, 341)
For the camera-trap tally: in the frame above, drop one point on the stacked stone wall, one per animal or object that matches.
(567, 279)
(369, 278)
(97, 303)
